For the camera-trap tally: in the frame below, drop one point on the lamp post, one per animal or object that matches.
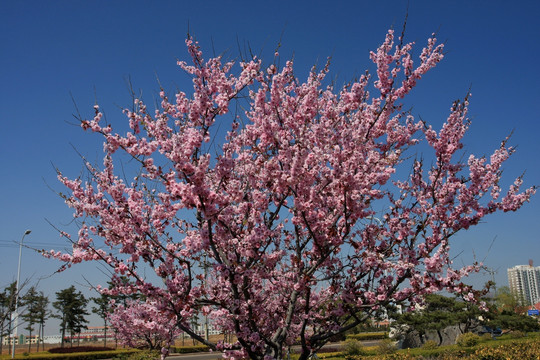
(17, 293)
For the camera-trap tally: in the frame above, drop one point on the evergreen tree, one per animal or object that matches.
(509, 320)
(30, 300)
(7, 307)
(42, 314)
(71, 306)
(102, 309)
(438, 313)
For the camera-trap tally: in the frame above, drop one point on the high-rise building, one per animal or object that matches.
(524, 281)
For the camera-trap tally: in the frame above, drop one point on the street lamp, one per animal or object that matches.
(17, 293)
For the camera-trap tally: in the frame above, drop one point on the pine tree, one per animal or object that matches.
(30, 300)
(7, 307)
(42, 314)
(102, 309)
(71, 306)
(438, 313)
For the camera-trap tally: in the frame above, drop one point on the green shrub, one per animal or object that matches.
(353, 347)
(517, 334)
(486, 337)
(467, 340)
(386, 346)
(430, 344)
(143, 355)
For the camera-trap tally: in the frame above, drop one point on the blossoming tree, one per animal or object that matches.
(299, 220)
(143, 324)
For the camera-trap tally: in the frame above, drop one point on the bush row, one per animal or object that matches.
(74, 349)
(92, 355)
(95, 353)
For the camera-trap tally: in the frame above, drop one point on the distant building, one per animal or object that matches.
(200, 329)
(52, 339)
(524, 281)
(92, 333)
(20, 339)
(95, 333)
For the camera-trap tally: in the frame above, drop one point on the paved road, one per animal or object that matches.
(196, 356)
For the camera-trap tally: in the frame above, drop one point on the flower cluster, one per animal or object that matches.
(141, 324)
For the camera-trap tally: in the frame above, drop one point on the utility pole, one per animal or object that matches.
(492, 272)
(17, 294)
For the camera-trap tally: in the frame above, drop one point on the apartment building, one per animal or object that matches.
(524, 281)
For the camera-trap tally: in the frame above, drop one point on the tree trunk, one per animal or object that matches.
(440, 337)
(29, 340)
(10, 334)
(38, 337)
(42, 336)
(63, 335)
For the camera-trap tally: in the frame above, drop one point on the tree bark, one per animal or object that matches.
(29, 340)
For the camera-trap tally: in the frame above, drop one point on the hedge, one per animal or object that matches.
(93, 355)
(78, 349)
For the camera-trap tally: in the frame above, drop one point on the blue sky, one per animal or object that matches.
(53, 50)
